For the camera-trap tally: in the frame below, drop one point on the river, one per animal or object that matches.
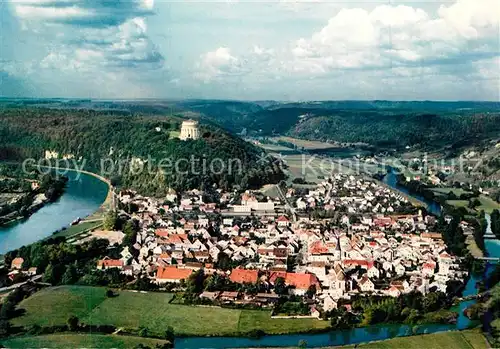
(83, 196)
(391, 180)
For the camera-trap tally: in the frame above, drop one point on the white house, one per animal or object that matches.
(366, 285)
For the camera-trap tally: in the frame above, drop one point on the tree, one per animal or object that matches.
(4, 328)
(143, 331)
(311, 291)
(195, 282)
(73, 323)
(111, 220)
(280, 286)
(48, 275)
(70, 276)
(223, 261)
(169, 334)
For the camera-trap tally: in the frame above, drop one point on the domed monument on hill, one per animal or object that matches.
(189, 130)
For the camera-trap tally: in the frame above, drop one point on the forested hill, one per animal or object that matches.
(91, 136)
(423, 124)
(429, 125)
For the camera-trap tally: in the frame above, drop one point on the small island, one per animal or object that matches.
(24, 192)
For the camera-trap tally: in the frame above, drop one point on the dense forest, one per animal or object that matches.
(137, 151)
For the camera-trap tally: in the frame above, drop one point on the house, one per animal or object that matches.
(283, 221)
(329, 304)
(428, 269)
(393, 291)
(315, 313)
(172, 274)
(300, 282)
(31, 271)
(266, 298)
(242, 276)
(229, 296)
(108, 263)
(400, 270)
(17, 263)
(366, 285)
(373, 272)
(128, 270)
(209, 295)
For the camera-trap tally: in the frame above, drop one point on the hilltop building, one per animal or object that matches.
(189, 130)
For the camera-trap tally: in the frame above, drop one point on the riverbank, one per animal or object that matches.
(84, 195)
(109, 202)
(28, 197)
(467, 339)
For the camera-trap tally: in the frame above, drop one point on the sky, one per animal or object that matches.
(251, 49)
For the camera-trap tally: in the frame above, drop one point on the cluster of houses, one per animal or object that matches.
(351, 194)
(369, 249)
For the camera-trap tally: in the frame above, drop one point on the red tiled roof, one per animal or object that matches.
(282, 219)
(173, 273)
(318, 247)
(17, 262)
(429, 266)
(436, 236)
(244, 276)
(301, 281)
(110, 263)
(162, 232)
(176, 239)
(360, 262)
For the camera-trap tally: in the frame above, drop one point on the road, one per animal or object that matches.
(288, 207)
(8, 288)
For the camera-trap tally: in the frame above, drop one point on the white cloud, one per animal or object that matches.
(391, 36)
(92, 35)
(217, 63)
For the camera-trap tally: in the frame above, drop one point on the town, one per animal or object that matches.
(326, 244)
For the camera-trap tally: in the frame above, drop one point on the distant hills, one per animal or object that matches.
(426, 125)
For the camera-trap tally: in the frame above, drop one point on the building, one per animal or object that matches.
(189, 130)
(17, 263)
(108, 263)
(172, 274)
(242, 276)
(300, 282)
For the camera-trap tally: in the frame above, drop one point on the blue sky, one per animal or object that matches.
(235, 49)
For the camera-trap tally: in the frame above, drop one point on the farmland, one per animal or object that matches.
(456, 191)
(54, 306)
(74, 340)
(470, 339)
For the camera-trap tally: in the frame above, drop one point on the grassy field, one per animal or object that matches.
(174, 134)
(77, 229)
(302, 143)
(260, 320)
(456, 191)
(470, 339)
(458, 203)
(54, 306)
(73, 340)
(487, 204)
